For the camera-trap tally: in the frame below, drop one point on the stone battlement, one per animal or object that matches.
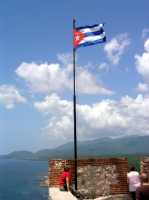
(95, 177)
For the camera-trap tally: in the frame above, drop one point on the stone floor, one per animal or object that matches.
(56, 194)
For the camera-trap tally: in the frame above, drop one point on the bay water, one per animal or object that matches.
(19, 180)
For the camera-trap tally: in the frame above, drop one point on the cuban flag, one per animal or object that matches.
(88, 35)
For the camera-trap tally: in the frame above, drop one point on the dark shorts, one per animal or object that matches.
(63, 187)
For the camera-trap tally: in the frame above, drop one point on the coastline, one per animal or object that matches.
(45, 182)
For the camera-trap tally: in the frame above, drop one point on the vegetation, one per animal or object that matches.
(131, 147)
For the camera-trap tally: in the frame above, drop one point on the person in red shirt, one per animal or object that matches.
(64, 182)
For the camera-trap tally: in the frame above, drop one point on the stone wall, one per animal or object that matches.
(144, 164)
(95, 177)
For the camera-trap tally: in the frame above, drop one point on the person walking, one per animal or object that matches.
(142, 192)
(133, 178)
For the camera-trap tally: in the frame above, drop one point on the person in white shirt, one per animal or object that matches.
(133, 178)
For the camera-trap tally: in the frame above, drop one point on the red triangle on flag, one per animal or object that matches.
(77, 37)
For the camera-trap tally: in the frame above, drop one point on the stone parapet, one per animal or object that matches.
(95, 177)
(144, 165)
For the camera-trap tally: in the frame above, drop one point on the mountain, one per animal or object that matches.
(121, 146)
(89, 148)
(43, 152)
(86, 142)
(20, 155)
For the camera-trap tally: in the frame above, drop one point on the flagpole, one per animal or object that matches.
(84, 41)
(74, 106)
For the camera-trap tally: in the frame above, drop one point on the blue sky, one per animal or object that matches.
(36, 72)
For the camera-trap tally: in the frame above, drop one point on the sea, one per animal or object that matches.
(19, 180)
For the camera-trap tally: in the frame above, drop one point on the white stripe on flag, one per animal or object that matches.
(93, 38)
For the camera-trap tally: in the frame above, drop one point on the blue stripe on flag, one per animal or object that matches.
(89, 43)
(83, 27)
(94, 33)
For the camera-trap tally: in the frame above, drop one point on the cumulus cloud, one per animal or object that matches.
(45, 78)
(9, 95)
(143, 87)
(54, 78)
(108, 118)
(53, 104)
(115, 48)
(142, 62)
(61, 111)
(87, 83)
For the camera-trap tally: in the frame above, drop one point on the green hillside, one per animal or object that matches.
(131, 147)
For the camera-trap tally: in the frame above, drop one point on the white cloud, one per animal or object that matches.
(143, 87)
(65, 58)
(87, 83)
(61, 123)
(53, 78)
(53, 104)
(108, 118)
(9, 95)
(142, 63)
(104, 66)
(45, 78)
(144, 32)
(146, 45)
(115, 48)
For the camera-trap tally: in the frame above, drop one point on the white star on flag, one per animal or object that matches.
(77, 37)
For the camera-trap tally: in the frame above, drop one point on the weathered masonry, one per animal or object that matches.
(145, 165)
(96, 176)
